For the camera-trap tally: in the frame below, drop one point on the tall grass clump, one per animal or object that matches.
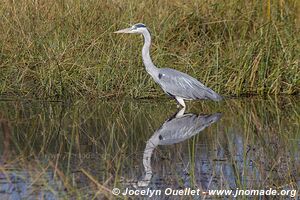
(61, 49)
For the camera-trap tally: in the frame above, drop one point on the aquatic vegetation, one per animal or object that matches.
(61, 49)
(85, 149)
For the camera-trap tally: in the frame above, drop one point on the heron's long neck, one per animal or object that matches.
(150, 67)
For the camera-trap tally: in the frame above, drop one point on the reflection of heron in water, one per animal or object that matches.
(178, 128)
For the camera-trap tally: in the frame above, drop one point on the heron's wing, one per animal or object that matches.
(182, 85)
(182, 128)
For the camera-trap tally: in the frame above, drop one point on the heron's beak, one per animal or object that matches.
(126, 30)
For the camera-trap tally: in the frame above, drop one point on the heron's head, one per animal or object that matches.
(137, 28)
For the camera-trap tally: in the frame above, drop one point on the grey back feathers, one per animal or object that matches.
(182, 85)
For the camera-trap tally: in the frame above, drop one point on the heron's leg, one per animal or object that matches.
(180, 101)
(180, 112)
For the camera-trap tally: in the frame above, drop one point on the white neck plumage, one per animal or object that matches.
(150, 67)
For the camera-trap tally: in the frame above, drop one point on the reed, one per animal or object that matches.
(84, 149)
(63, 49)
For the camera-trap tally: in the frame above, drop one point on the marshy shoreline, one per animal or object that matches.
(66, 49)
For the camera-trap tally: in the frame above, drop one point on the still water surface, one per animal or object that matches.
(84, 149)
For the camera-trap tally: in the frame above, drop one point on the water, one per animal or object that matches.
(54, 150)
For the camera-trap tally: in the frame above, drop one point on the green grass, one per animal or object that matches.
(66, 48)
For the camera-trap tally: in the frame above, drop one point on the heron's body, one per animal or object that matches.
(176, 84)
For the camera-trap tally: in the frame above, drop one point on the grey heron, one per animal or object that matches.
(176, 84)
